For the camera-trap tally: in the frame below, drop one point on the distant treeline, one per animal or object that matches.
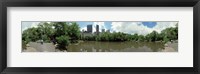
(64, 33)
(166, 35)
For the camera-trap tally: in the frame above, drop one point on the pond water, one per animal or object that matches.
(95, 46)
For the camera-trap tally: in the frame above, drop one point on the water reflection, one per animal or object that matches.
(94, 46)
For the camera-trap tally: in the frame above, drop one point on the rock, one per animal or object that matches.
(30, 49)
(166, 45)
(176, 41)
(169, 49)
(56, 45)
(27, 45)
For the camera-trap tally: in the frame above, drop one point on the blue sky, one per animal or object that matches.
(126, 27)
(108, 24)
(149, 24)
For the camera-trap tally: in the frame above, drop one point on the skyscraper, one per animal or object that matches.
(108, 31)
(89, 28)
(103, 30)
(97, 29)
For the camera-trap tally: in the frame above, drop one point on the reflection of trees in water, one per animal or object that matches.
(155, 46)
(94, 46)
(59, 48)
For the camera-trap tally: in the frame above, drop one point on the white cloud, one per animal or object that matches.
(101, 26)
(26, 25)
(163, 25)
(138, 27)
(35, 24)
(24, 28)
(84, 28)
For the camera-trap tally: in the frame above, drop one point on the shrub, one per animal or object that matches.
(63, 41)
(23, 45)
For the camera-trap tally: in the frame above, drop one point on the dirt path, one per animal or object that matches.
(171, 47)
(38, 47)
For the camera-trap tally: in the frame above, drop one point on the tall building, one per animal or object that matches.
(103, 30)
(108, 31)
(97, 29)
(89, 28)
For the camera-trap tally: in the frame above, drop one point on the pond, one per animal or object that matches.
(95, 46)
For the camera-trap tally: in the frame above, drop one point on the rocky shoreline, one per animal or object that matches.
(171, 46)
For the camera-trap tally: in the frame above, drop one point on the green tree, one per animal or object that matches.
(135, 37)
(61, 28)
(74, 32)
(63, 41)
(141, 38)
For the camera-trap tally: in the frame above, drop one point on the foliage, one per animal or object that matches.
(23, 44)
(63, 41)
(74, 32)
(53, 31)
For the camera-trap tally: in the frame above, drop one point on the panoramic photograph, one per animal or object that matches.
(99, 36)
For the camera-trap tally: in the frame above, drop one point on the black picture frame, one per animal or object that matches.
(98, 3)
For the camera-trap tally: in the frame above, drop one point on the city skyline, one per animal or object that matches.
(90, 29)
(142, 28)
